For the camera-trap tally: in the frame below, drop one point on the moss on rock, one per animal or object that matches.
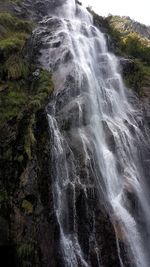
(27, 207)
(25, 254)
(24, 93)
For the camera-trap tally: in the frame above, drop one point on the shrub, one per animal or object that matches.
(10, 45)
(12, 23)
(133, 45)
(12, 103)
(16, 67)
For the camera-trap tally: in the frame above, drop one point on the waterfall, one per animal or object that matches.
(95, 143)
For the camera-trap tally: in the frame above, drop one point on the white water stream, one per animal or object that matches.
(102, 122)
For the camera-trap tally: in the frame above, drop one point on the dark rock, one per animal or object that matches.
(109, 137)
(127, 65)
(4, 232)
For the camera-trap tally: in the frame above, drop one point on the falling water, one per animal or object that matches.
(95, 137)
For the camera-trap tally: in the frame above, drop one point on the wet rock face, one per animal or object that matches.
(37, 9)
(95, 231)
(32, 214)
(83, 216)
(27, 220)
(127, 65)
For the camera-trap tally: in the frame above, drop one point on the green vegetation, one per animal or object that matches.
(29, 140)
(16, 67)
(24, 93)
(12, 23)
(19, 96)
(136, 47)
(16, 97)
(14, 35)
(21, 90)
(27, 207)
(25, 254)
(125, 25)
(135, 77)
(10, 45)
(3, 196)
(130, 43)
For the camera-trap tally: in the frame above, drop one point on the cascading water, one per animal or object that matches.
(95, 142)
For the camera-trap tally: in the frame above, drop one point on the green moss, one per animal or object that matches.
(23, 92)
(35, 104)
(8, 154)
(134, 46)
(12, 23)
(25, 252)
(134, 78)
(20, 158)
(7, 20)
(21, 95)
(138, 78)
(27, 207)
(11, 104)
(129, 42)
(41, 89)
(16, 32)
(29, 137)
(44, 82)
(3, 196)
(44, 87)
(16, 67)
(146, 70)
(10, 45)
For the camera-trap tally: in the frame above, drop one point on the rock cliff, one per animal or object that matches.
(28, 227)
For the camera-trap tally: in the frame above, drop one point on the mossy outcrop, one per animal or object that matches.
(24, 146)
(132, 41)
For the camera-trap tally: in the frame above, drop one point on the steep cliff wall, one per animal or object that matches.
(28, 227)
(26, 209)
